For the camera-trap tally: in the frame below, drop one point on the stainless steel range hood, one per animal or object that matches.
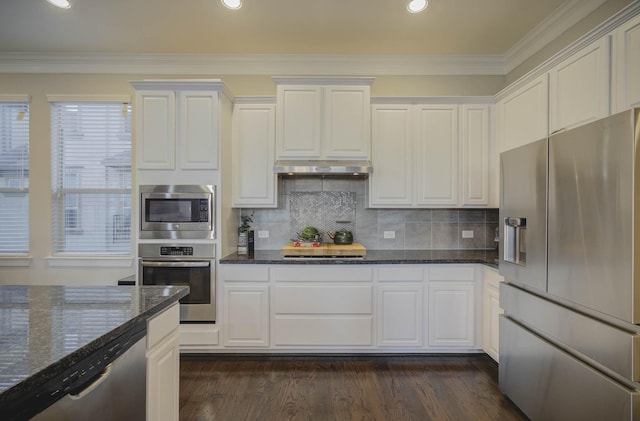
(321, 167)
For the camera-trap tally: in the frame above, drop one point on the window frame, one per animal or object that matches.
(104, 257)
(19, 258)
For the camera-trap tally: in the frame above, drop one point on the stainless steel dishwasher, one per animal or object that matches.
(110, 384)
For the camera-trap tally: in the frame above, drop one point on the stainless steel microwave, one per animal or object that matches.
(177, 211)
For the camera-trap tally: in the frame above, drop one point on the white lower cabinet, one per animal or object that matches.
(163, 365)
(246, 305)
(391, 308)
(491, 312)
(452, 305)
(322, 306)
(400, 307)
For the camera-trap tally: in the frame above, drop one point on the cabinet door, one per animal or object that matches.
(253, 150)
(298, 121)
(400, 314)
(437, 155)
(626, 63)
(451, 314)
(198, 129)
(523, 115)
(491, 313)
(392, 151)
(474, 142)
(246, 315)
(579, 87)
(155, 130)
(347, 122)
(163, 379)
(163, 365)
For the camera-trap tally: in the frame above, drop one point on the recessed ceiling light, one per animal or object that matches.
(416, 6)
(63, 4)
(232, 4)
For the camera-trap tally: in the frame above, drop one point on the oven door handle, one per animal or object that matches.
(175, 264)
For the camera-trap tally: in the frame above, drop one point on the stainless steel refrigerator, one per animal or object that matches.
(570, 255)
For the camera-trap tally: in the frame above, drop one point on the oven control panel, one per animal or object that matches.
(176, 251)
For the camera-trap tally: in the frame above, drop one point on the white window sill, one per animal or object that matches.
(90, 261)
(15, 260)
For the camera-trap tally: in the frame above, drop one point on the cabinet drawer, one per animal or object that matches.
(245, 273)
(323, 331)
(322, 274)
(162, 325)
(396, 273)
(323, 299)
(451, 273)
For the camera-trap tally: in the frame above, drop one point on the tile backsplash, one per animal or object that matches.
(320, 202)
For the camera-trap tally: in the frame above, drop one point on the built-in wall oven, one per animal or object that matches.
(177, 212)
(182, 264)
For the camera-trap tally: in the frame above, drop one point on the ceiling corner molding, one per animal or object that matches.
(252, 64)
(563, 18)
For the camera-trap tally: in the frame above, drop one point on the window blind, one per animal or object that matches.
(14, 178)
(91, 177)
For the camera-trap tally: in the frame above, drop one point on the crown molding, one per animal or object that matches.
(322, 80)
(193, 84)
(563, 18)
(252, 64)
(390, 100)
(255, 99)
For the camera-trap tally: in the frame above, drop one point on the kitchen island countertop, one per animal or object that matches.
(47, 329)
(486, 257)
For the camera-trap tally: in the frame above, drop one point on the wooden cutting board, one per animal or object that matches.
(328, 249)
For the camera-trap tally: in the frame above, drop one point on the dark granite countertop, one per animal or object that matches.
(47, 329)
(486, 257)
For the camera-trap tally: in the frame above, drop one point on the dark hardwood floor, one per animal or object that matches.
(396, 388)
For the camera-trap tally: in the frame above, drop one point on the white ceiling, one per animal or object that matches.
(203, 37)
(270, 26)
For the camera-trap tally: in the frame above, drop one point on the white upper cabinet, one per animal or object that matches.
(475, 150)
(319, 118)
(198, 129)
(391, 157)
(523, 114)
(177, 124)
(626, 65)
(253, 151)
(155, 130)
(437, 154)
(579, 87)
(299, 113)
(430, 155)
(347, 122)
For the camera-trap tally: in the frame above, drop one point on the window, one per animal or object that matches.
(91, 177)
(14, 177)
